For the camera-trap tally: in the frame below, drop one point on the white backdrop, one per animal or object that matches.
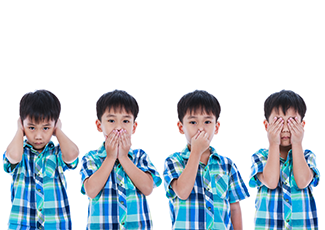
(240, 51)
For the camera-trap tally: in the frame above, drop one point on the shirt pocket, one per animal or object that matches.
(220, 185)
(51, 166)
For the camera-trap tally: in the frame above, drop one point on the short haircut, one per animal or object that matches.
(198, 100)
(39, 106)
(284, 100)
(117, 100)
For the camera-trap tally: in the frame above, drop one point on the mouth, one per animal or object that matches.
(38, 143)
(285, 138)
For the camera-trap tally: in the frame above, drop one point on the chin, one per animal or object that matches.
(286, 145)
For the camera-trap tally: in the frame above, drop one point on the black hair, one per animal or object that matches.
(284, 99)
(40, 105)
(117, 99)
(198, 99)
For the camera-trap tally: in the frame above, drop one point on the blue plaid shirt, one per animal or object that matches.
(217, 185)
(119, 205)
(38, 190)
(287, 206)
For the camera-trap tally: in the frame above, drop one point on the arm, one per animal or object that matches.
(69, 150)
(271, 173)
(142, 180)
(236, 217)
(184, 184)
(96, 182)
(302, 173)
(15, 149)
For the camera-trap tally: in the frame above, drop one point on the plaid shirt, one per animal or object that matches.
(119, 205)
(217, 185)
(38, 189)
(287, 206)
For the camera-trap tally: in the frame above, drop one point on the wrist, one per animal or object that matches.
(274, 147)
(297, 145)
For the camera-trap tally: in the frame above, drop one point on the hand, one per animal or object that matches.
(274, 131)
(124, 144)
(20, 126)
(296, 130)
(111, 144)
(200, 142)
(58, 125)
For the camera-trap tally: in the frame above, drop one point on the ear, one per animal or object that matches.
(266, 124)
(135, 125)
(99, 125)
(180, 127)
(217, 127)
(303, 123)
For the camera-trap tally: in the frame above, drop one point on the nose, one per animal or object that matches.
(285, 127)
(38, 135)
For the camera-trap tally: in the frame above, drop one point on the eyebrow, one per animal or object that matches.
(32, 124)
(124, 116)
(205, 117)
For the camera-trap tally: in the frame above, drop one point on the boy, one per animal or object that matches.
(284, 174)
(204, 188)
(38, 190)
(116, 178)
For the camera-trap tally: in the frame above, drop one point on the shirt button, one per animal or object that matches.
(288, 220)
(122, 202)
(209, 208)
(287, 200)
(38, 190)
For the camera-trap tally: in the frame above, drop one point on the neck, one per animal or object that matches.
(284, 150)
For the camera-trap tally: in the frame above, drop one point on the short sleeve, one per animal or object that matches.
(144, 164)
(237, 189)
(88, 168)
(65, 166)
(7, 166)
(311, 161)
(259, 160)
(173, 168)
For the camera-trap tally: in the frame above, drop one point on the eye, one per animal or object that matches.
(207, 122)
(111, 121)
(46, 128)
(31, 128)
(192, 122)
(126, 121)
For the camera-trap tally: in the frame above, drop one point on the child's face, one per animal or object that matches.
(116, 120)
(38, 134)
(192, 123)
(285, 132)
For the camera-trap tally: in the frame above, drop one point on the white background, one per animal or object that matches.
(240, 51)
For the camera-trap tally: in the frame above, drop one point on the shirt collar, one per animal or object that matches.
(101, 152)
(289, 157)
(27, 145)
(186, 152)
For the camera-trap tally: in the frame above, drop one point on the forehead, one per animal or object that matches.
(199, 113)
(43, 122)
(117, 112)
(291, 112)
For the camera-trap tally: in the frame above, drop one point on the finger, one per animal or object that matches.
(277, 126)
(196, 136)
(275, 119)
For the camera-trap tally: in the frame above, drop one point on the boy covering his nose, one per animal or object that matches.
(203, 187)
(116, 178)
